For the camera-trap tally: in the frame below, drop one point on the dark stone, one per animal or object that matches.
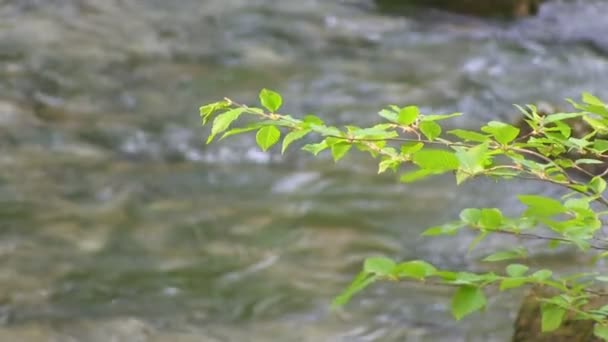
(485, 8)
(528, 322)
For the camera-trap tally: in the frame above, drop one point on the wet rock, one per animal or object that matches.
(501, 8)
(528, 322)
(118, 330)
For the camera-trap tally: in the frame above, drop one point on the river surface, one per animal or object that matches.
(117, 223)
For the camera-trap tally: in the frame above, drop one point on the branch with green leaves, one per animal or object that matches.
(416, 145)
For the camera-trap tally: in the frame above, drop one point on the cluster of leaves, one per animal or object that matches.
(550, 152)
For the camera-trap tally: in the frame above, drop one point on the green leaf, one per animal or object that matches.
(491, 218)
(430, 129)
(601, 145)
(467, 300)
(379, 265)
(376, 133)
(436, 160)
(326, 130)
(552, 316)
(541, 206)
(598, 185)
(446, 229)
(561, 116)
(413, 176)
(599, 125)
(542, 274)
(502, 132)
(316, 148)
(511, 283)
(271, 100)
(600, 331)
(251, 127)
(592, 100)
(293, 136)
(408, 115)
(472, 161)
(588, 161)
(561, 127)
(388, 114)
(388, 164)
(477, 240)
(516, 253)
(223, 121)
(411, 147)
(416, 269)
(208, 110)
(469, 135)
(360, 282)
(267, 136)
(516, 270)
(340, 149)
(439, 117)
(470, 216)
(313, 120)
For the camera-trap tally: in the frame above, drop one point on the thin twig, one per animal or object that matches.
(546, 238)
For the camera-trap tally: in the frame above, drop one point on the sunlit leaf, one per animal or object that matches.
(388, 164)
(313, 120)
(601, 145)
(600, 331)
(436, 160)
(207, 111)
(469, 135)
(502, 132)
(430, 129)
(491, 218)
(516, 270)
(472, 160)
(326, 130)
(408, 115)
(414, 269)
(439, 117)
(470, 216)
(515, 253)
(446, 229)
(541, 206)
(552, 316)
(388, 114)
(592, 100)
(542, 274)
(360, 282)
(379, 265)
(467, 300)
(293, 136)
(411, 147)
(340, 149)
(316, 148)
(223, 121)
(413, 176)
(511, 283)
(267, 136)
(270, 100)
(597, 184)
(248, 128)
(561, 116)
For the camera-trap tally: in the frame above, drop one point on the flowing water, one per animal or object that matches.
(119, 224)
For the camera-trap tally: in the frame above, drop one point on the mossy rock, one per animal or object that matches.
(528, 322)
(484, 8)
